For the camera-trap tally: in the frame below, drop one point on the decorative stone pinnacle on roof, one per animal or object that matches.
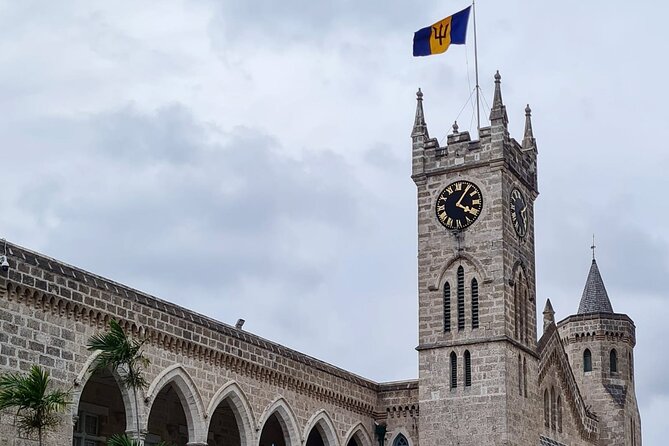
(528, 139)
(419, 125)
(595, 298)
(549, 314)
(498, 112)
(455, 127)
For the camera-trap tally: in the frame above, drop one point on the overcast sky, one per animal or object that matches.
(252, 158)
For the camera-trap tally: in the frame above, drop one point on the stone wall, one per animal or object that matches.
(48, 311)
(399, 411)
(610, 393)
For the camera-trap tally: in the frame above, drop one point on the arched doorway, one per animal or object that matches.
(273, 433)
(315, 438)
(100, 411)
(167, 420)
(320, 430)
(357, 436)
(223, 428)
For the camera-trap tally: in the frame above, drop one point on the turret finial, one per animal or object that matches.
(455, 127)
(593, 247)
(549, 314)
(498, 112)
(528, 139)
(419, 125)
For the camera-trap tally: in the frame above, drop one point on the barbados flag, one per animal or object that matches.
(437, 38)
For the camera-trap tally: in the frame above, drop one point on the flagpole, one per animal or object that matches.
(476, 68)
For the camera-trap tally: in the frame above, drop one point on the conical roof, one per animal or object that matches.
(594, 299)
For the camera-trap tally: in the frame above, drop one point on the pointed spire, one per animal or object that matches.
(498, 112)
(528, 140)
(595, 299)
(419, 125)
(549, 314)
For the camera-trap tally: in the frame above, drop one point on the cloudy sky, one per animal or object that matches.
(252, 158)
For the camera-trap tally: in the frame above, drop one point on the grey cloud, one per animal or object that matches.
(221, 162)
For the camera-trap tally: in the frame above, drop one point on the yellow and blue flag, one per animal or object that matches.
(437, 38)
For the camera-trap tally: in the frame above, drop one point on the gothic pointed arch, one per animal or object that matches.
(241, 410)
(188, 395)
(322, 422)
(613, 361)
(472, 265)
(286, 419)
(401, 438)
(521, 301)
(359, 434)
(111, 378)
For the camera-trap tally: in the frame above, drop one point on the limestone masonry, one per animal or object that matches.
(484, 377)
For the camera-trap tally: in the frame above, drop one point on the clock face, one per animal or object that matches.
(459, 205)
(518, 208)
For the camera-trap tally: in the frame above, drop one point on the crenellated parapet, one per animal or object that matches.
(585, 328)
(494, 145)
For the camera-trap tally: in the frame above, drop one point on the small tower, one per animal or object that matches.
(600, 346)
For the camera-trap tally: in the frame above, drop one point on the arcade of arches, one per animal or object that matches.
(101, 412)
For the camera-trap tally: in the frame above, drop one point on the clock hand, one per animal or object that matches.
(461, 197)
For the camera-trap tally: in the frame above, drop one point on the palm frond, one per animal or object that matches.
(121, 440)
(124, 440)
(119, 351)
(36, 407)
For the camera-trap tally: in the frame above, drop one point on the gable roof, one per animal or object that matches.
(553, 358)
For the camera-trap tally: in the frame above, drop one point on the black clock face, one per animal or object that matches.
(459, 205)
(518, 208)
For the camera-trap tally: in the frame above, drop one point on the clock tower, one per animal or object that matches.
(476, 283)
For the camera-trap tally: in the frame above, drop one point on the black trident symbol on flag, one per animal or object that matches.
(441, 33)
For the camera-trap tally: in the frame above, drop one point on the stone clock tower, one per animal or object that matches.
(476, 281)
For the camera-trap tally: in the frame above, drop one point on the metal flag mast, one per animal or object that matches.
(476, 69)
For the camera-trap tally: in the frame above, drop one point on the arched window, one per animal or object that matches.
(613, 361)
(587, 361)
(447, 307)
(516, 309)
(553, 409)
(400, 440)
(454, 370)
(475, 303)
(461, 298)
(526, 311)
(468, 369)
(547, 410)
(520, 296)
(629, 365)
(525, 376)
(520, 376)
(559, 413)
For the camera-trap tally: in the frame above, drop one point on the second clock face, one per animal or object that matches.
(518, 208)
(459, 205)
